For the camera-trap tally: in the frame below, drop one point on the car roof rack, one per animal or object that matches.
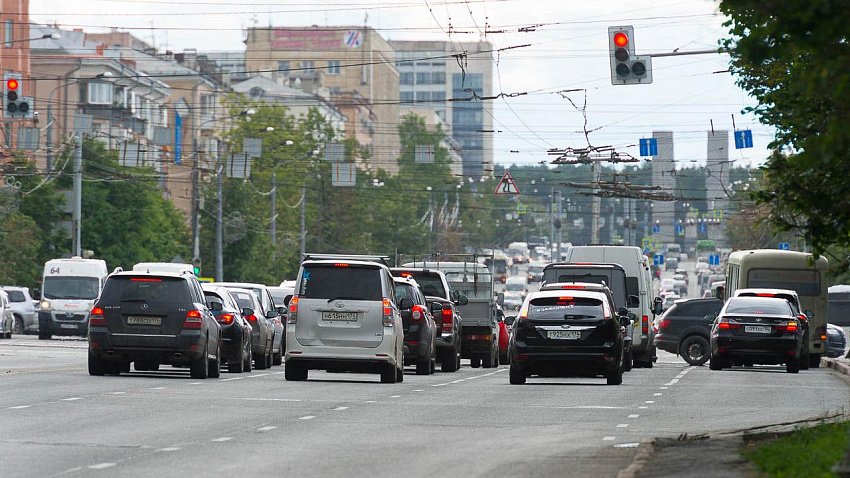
(309, 256)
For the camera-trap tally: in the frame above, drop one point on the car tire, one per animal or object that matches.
(399, 374)
(489, 361)
(115, 368)
(423, 366)
(97, 366)
(475, 362)
(814, 360)
(269, 358)
(215, 364)
(715, 363)
(516, 375)
(695, 349)
(627, 362)
(259, 361)
(503, 358)
(448, 360)
(277, 357)
(294, 372)
(199, 368)
(615, 376)
(804, 357)
(793, 366)
(237, 366)
(44, 336)
(18, 326)
(388, 373)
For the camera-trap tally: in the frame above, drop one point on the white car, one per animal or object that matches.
(23, 310)
(513, 301)
(7, 318)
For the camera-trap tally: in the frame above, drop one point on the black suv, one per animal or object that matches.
(420, 330)
(153, 319)
(684, 329)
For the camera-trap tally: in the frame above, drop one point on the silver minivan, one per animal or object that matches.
(344, 317)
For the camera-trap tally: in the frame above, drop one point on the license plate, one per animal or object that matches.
(68, 326)
(564, 334)
(340, 316)
(137, 320)
(758, 329)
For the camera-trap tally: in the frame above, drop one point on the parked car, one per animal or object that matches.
(344, 318)
(262, 329)
(685, 329)
(420, 330)
(560, 334)
(836, 341)
(236, 350)
(756, 330)
(269, 310)
(26, 319)
(7, 318)
(151, 319)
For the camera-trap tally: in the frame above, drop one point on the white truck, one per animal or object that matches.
(68, 290)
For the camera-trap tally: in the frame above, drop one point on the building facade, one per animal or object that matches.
(15, 38)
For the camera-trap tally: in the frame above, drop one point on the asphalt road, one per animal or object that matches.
(56, 420)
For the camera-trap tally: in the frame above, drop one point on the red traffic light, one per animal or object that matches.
(12, 84)
(621, 39)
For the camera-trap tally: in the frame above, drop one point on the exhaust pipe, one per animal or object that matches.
(178, 355)
(110, 353)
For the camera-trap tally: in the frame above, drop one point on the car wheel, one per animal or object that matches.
(804, 356)
(399, 374)
(695, 350)
(475, 362)
(793, 366)
(269, 357)
(814, 360)
(277, 357)
(237, 366)
(249, 359)
(715, 363)
(215, 364)
(448, 360)
(627, 362)
(615, 376)
(260, 361)
(114, 368)
(488, 361)
(517, 376)
(388, 373)
(294, 372)
(504, 359)
(199, 368)
(97, 366)
(44, 336)
(18, 326)
(423, 366)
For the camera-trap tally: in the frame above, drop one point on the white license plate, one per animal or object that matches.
(68, 326)
(140, 320)
(340, 316)
(758, 329)
(564, 334)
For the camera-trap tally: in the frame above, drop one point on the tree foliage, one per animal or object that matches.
(794, 58)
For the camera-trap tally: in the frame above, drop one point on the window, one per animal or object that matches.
(438, 78)
(307, 64)
(407, 96)
(406, 78)
(207, 104)
(423, 78)
(9, 33)
(16, 296)
(100, 93)
(333, 67)
(327, 282)
(805, 282)
(438, 96)
(283, 67)
(423, 96)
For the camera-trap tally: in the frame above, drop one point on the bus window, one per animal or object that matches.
(804, 282)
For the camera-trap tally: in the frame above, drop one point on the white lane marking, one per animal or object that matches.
(663, 388)
(19, 407)
(649, 401)
(609, 438)
(158, 388)
(370, 401)
(222, 439)
(419, 390)
(254, 375)
(458, 381)
(439, 385)
(642, 408)
(657, 394)
(339, 409)
(627, 445)
(195, 383)
(119, 393)
(72, 399)
(580, 407)
(101, 466)
(634, 415)
(672, 382)
(266, 428)
(231, 379)
(395, 396)
(622, 425)
(171, 448)
(308, 417)
(268, 399)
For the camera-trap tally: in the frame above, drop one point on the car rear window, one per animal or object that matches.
(565, 307)
(213, 298)
(758, 306)
(332, 282)
(431, 284)
(243, 299)
(146, 289)
(16, 296)
(404, 291)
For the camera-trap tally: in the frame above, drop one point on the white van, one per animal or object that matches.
(69, 288)
(638, 282)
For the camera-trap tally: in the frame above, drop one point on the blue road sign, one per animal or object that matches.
(680, 230)
(784, 246)
(648, 147)
(646, 250)
(703, 227)
(714, 260)
(743, 139)
(656, 229)
(658, 259)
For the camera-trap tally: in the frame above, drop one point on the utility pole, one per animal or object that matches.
(560, 230)
(219, 223)
(595, 202)
(196, 204)
(552, 222)
(49, 137)
(77, 212)
(303, 219)
(273, 226)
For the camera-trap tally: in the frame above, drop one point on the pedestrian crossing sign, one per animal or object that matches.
(507, 185)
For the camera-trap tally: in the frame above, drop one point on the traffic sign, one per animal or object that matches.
(714, 260)
(507, 185)
(680, 230)
(656, 229)
(703, 227)
(658, 259)
(784, 246)
(743, 139)
(648, 147)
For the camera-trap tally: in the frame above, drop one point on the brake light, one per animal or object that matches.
(448, 315)
(790, 327)
(572, 286)
(725, 324)
(252, 318)
(292, 316)
(663, 324)
(388, 313)
(803, 318)
(145, 279)
(194, 319)
(765, 294)
(226, 318)
(417, 314)
(96, 318)
(645, 325)
(406, 274)
(341, 264)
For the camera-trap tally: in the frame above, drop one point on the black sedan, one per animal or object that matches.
(420, 330)
(756, 330)
(235, 329)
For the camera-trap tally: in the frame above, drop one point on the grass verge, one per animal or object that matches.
(807, 452)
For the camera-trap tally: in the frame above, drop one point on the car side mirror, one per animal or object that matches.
(436, 308)
(509, 320)
(500, 299)
(271, 314)
(809, 314)
(405, 304)
(634, 301)
(803, 318)
(657, 306)
(287, 300)
(281, 310)
(462, 299)
(246, 311)
(216, 306)
(623, 312)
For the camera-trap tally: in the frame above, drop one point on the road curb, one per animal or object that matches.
(641, 458)
(839, 365)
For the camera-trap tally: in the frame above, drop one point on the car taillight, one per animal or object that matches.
(194, 319)
(96, 318)
(226, 318)
(417, 314)
(252, 318)
(572, 287)
(663, 324)
(645, 325)
(448, 315)
(725, 324)
(821, 331)
(790, 327)
(388, 313)
(292, 316)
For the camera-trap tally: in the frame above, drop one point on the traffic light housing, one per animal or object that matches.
(15, 105)
(626, 67)
(196, 266)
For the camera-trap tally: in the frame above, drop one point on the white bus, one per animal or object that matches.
(797, 271)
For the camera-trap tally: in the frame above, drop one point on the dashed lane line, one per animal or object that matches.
(627, 445)
(72, 399)
(101, 466)
(170, 448)
(308, 417)
(634, 415)
(622, 425)
(19, 407)
(222, 439)
(339, 409)
(609, 438)
(266, 428)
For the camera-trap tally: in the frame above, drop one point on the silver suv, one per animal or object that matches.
(21, 303)
(344, 317)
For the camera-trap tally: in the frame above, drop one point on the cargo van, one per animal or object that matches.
(638, 283)
(68, 290)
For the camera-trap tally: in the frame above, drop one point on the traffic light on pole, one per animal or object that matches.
(15, 105)
(626, 67)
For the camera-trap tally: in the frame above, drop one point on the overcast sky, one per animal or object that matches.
(569, 50)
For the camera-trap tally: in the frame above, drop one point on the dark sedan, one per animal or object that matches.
(420, 330)
(262, 329)
(756, 330)
(235, 329)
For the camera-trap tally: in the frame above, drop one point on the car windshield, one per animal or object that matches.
(758, 306)
(431, 284)
(565, 307)
(70, 287)
(515, 287)
(144, 289)
(320, 281)
(16, 296)
(243, 299)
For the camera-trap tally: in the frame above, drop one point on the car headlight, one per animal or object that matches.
(45, 305)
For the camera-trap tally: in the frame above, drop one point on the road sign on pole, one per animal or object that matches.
(648, 147)
(784, 246)
(658, 259)
(507, 185)
(743, 139)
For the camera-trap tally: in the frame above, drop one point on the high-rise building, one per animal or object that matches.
(448, 77)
